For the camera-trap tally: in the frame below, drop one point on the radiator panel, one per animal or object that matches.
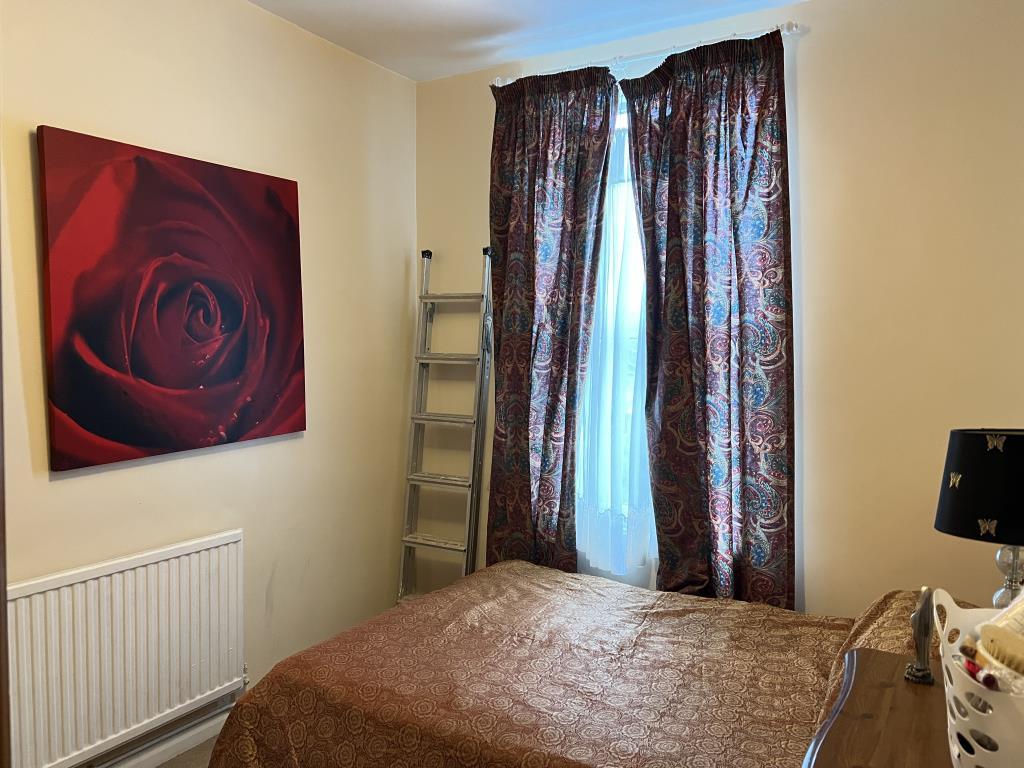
(101, 655)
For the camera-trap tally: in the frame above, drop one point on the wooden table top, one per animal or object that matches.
(881, 720)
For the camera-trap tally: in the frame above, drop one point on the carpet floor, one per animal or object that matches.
(197, 757)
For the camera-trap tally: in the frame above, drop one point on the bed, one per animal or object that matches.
(519, 665)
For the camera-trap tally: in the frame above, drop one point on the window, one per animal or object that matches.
(615, 534)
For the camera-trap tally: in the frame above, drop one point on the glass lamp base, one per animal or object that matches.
(1003, 597)
(1011, 565)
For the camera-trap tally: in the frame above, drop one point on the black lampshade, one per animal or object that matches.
(982, 494)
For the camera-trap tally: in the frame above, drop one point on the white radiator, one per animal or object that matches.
(100, 655)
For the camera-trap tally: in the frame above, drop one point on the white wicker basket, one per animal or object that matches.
(986, 728)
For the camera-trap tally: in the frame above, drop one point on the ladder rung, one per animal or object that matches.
(444, 418)
(436, 542)
(429, 478)
(448, 357)
(451, 298)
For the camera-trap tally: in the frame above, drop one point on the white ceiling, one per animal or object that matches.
(427, 39)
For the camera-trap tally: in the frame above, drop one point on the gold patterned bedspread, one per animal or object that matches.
(519, 665)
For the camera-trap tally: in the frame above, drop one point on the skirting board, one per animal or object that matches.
(174, 745)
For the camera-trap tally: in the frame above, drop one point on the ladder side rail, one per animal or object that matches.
(410, 510)
(421, 373)
(480, 433)
(477, 440)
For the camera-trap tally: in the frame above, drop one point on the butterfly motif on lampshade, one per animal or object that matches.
(987, 527)
(995, 442)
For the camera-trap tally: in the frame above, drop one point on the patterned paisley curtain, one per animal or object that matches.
(708, 135)
(549, 162)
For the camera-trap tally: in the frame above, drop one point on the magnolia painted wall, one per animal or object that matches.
(228, 82)
(907, 276)
(905, 174)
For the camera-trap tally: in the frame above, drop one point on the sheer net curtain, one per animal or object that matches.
(615, 534)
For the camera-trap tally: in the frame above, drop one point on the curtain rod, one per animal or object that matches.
(786, 28)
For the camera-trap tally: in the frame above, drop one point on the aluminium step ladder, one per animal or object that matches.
(467, 487)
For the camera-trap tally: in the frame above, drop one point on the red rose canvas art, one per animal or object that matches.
(173, 302)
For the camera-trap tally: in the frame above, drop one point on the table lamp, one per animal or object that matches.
(982, 498)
